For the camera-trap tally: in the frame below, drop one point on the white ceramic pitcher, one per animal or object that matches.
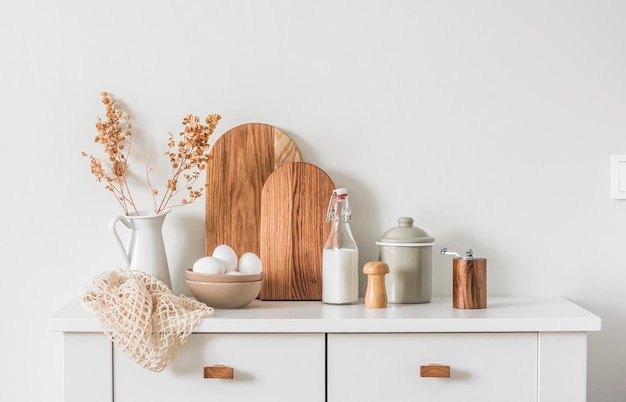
(145, 250)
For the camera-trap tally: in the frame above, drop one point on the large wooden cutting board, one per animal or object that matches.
(241, 160)
(294, 202)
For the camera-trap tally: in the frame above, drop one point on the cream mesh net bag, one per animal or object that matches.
(142, 316)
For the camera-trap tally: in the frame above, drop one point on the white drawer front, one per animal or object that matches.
(267, 367)
(386, 367)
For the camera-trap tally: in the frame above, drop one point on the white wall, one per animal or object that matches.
(490, 122)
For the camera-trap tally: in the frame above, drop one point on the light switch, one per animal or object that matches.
(618, 177)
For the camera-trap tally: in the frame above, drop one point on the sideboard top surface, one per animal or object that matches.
(503, 314)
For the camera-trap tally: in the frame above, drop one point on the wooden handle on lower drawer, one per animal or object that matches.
(219, 371)
(435, 370)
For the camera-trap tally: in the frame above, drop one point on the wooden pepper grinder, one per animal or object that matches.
(376, 294)
(469, 281)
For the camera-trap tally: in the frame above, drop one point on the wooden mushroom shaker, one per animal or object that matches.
(375, 293)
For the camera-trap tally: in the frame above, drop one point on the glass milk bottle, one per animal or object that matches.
(340, 258)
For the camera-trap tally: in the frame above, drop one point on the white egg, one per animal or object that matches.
(233, 273)
(250, 264)
(209, 265)
(227, 255)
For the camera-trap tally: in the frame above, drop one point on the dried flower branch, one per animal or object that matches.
(188, 157)
(116, 143)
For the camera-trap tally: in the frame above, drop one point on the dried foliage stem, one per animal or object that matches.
(188, 157)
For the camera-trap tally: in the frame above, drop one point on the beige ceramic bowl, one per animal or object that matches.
(200, 277)
(227, 295)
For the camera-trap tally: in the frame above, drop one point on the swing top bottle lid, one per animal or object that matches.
(339, 206)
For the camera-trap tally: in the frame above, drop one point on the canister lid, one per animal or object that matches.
(405, 234)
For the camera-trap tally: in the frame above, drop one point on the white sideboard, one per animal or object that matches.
(518, 349)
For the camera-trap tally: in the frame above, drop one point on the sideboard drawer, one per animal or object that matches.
(267, 367)
(484, 367)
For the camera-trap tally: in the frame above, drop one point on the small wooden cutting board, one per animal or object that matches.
(294, 202)
(241, 160)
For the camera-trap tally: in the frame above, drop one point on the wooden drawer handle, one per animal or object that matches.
(435, 370)
(219, 371)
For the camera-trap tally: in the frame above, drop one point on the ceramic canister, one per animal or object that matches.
(407, 250)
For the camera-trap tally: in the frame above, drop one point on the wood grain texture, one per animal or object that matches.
(376, 293)
(435, 371)
(241, 160)
(219, 371)
(294, 202)
(469, 283)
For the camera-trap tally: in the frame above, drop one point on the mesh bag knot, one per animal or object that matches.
(142, 316)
